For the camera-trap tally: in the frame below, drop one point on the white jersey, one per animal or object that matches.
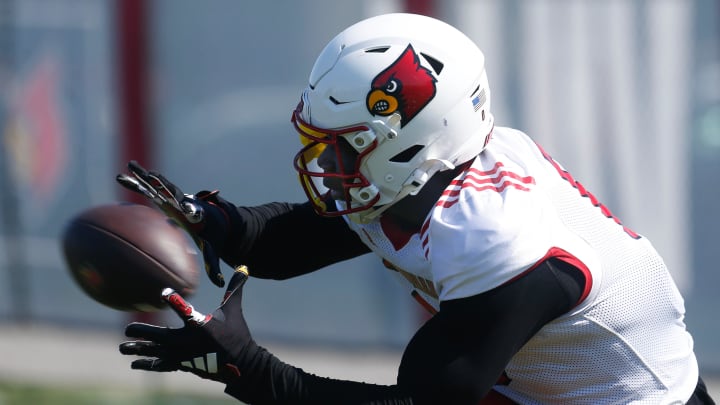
(514, 207)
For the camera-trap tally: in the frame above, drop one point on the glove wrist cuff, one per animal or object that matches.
(258, 370)
(217, 219)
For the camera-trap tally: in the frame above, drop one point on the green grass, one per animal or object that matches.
(22, 394)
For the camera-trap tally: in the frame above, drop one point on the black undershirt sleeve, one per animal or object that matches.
(454, 358)
(284, 240)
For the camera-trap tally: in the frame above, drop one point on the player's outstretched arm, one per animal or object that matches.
(262, 236)
(219, 347)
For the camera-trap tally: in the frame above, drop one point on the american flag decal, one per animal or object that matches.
(479, 100)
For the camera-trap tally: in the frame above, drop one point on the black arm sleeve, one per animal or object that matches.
(455, 358)
(283, 240)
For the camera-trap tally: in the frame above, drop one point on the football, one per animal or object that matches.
(123, 255)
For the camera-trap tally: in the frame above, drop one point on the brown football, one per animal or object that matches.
(123, 255)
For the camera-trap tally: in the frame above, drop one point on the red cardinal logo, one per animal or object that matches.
(404, 87)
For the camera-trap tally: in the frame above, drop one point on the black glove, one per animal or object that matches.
(220, 347)
(200, 214)
(207, 345)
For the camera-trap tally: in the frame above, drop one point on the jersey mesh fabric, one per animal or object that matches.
(627, 339)
(626, 343)
(409, 257)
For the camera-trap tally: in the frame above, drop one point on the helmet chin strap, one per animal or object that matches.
(412, 186)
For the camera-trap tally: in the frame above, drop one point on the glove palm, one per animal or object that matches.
(206, 345)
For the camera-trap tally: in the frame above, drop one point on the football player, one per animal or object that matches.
(539, 293)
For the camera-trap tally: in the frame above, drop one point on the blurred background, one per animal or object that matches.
(625, 93)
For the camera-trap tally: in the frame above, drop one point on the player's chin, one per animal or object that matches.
(337, 195)
(335, 189)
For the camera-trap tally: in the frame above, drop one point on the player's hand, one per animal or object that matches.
(207, 345)
(187, 209)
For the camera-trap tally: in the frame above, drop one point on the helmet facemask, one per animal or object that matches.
(361, 200)
(358, 194)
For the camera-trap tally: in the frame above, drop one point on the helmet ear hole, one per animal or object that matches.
(407, 155)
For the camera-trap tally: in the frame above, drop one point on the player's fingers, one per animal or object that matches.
(184, 309)
(138, 330)
(170, 189)
(232, 301)
(137, 170)
(132, 184)
(212, 263)
(142, 348)
(155, 365)
(144, 179)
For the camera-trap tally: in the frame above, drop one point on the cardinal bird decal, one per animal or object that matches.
(405, 87)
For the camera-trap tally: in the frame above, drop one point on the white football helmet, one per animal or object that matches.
(409, 93)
